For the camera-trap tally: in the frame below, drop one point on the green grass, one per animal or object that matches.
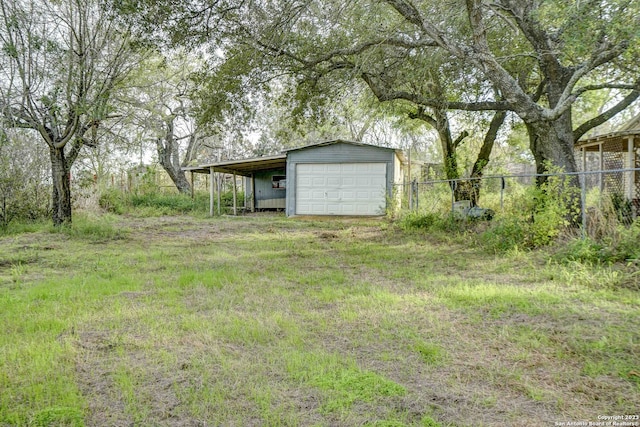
(294, 322)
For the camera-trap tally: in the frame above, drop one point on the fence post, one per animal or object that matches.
(410, 195)
(583, 204)
(453, 184)
(503, 184)
(416, 188)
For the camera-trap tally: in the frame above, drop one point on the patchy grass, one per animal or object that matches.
(271, 321)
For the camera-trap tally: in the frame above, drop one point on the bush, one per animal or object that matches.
(621, 245)
(91, 228)
(539, 216)
(506, 234)
(113, 201)
(430, 222)
(24, 192)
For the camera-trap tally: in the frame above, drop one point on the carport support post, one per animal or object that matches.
(252, 191)
(219, 177)
(211, 191)
(235, 196)
(630, 164)
(192, 191)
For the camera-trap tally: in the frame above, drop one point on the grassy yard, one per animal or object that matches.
(178, 321)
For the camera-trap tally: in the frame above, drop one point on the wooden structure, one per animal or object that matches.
(615, 151)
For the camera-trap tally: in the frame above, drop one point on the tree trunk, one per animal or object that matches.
(168, 158)
(484, 156)
(552, 147)
(551, 143)
(61, 194)
(180, 180)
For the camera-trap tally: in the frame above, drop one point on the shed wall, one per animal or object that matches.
(339, 153)
(265, 196)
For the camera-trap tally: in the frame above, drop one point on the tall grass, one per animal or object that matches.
(539, 218)
(154, 203)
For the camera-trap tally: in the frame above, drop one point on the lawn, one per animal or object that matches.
(267, 321)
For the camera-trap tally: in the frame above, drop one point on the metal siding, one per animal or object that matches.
(341, 153)
(338, 153)
(263, 186)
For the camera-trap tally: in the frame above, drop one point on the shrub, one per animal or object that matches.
(621, 245)
(24, 192)
(112, 201)
(155, 203)
(430, 222)
(540, 215)
(93, 228)
(506, 234)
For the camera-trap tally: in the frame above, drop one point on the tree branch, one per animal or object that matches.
(421, 115)
(383, 94)
(73, 153)
(600, 119)
(460, 138)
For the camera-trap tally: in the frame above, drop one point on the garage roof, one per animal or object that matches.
(344, 141)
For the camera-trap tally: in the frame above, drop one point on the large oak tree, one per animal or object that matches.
(534, 58)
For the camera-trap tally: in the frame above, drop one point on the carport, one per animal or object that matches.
(615, 151)
(334, 177)
(246, 168)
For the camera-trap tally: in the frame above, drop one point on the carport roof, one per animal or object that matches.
(243, 167)
(616, 140)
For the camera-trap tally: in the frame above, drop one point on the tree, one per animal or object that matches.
(60, 64)
(163, 105)
(568, 44)
(533, 58)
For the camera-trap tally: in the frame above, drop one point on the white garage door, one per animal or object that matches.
(341, 188)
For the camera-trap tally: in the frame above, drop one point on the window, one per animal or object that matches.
(279, 181)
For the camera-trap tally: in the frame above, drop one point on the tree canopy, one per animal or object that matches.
(533, 58)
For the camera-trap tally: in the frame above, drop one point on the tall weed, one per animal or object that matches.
(622, 244)
(90, 227)
(537, 218)
(155, 203)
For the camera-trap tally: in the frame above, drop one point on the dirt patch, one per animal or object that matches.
(124, 387)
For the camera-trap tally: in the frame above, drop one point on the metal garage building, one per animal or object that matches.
(341, 178)
(335, 177)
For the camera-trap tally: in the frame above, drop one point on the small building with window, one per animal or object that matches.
(335, 177)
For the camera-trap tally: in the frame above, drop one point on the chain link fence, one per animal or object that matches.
(598, 195)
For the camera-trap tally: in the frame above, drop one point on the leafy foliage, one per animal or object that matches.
(24, 195)
(428, 222)
(541, 214)
(621, 245)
